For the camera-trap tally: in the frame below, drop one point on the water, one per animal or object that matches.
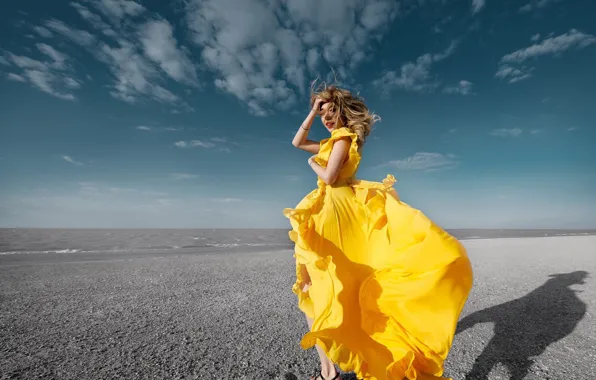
(73, 241)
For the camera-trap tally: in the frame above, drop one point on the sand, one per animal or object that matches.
(232, 315)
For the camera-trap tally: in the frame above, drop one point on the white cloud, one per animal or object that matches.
(220, 144)
(52, 77)
(535, 5)
(551, 46)
(260, 59)
(477, 5)
(71, 160)
(513, 74)
(225, 200)
(414, 76)
(504, 132)
(71, 83)
(511, 65)
(535, 37)
(4, 61)
(43, 32)
(134, 76)
(95, 20)
(160, 46)
(464, 87)
(194, 144)
(143, 128)
(15, 77)
(116, 10)
(426, 161)
(58, 58)
(78, 36)
(183, 176)
(44, 81)
(265, 60)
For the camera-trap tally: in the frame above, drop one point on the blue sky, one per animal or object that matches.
(116, 113)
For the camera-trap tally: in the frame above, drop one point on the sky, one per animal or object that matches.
(180, 114)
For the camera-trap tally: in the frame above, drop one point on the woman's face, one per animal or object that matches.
(329, 116)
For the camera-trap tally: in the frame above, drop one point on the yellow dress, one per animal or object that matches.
(387, 284)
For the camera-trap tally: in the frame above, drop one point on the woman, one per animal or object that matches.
(381, 285)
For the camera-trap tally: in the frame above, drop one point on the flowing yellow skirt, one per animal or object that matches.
(387, 285)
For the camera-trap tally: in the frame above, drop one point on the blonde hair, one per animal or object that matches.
(353, 112)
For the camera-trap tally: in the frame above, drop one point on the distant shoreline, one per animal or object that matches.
(15, 241)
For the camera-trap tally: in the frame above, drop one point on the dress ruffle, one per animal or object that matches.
(388, 285)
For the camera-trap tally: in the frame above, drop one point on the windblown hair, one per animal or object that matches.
(353, 112)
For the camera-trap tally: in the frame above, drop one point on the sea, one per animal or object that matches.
(16, 241)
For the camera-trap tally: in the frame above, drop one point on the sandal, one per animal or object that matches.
(320, 375)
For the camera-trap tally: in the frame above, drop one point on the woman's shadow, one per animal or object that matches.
(525, 327)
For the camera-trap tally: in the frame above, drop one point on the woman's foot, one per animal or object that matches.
(330, 375)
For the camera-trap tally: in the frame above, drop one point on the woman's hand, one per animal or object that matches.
(311, 159)
(316, 107)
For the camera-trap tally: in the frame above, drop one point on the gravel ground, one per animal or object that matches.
(232, 315)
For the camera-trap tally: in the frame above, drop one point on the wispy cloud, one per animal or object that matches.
(162, 48)
(513, 74)
(512, 65)
(95, 20)
(43, 32)
(183, 176)
(536, 4)
(414, 76)
(504, 132)
(259, 59)
(105, 189)
(226, 200)
(140, 54)
(217, 143)
(477, 5)
(426, 161)
(194, 144)
(78, 36)
(117, 10)
(52, 76)
(147, 128)
(16, 78)
(133, 75)
(72, 160)
(551, 46)
(464, 87)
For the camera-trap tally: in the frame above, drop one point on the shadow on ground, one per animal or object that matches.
(525, 327)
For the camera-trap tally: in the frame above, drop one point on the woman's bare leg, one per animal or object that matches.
(327, 368)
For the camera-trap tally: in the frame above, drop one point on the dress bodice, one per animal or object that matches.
(350, 166)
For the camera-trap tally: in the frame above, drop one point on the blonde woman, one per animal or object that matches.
(381, 285)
